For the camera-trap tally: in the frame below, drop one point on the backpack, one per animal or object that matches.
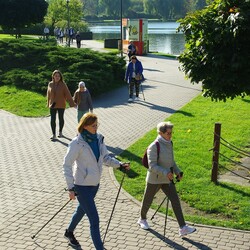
(145, 156)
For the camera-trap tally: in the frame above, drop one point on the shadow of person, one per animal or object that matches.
(63, 143)
(169, 242)
(67, 138)
(197, 244)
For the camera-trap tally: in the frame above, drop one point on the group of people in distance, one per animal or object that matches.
(87, 153)
(69, 34)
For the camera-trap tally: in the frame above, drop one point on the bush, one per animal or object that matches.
(29, 65)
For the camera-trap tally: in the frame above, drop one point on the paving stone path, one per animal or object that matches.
(32, 184)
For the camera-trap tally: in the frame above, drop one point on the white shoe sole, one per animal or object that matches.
(183, 235)
(142, 227)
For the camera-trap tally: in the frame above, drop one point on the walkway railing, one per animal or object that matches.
(216, 154)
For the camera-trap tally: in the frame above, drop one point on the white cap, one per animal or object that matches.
(81, 84)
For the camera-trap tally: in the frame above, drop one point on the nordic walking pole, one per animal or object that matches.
(181, 174)
(114, 206)
(158, 208)
(166, 217)
(32, 237)
(142, 92)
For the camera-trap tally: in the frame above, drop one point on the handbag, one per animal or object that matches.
(138, 77)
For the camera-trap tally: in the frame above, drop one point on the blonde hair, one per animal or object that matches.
(87, 119)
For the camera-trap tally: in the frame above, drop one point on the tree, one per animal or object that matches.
(113, 7)
(217, 50)
(91, 7)
(17, 14)
(58, 13)
(168, 9)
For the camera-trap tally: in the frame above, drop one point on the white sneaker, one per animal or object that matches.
(130, 99)
(144, 224)
(137, 99)
(186, 230)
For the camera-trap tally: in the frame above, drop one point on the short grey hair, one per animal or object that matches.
(163, 126)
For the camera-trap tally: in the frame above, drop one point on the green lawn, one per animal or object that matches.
(23, 102)
(26, 37)
(223, 204)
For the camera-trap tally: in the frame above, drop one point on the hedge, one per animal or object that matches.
(29, 65)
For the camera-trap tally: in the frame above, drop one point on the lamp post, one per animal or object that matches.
(121, 33)
(67, 1)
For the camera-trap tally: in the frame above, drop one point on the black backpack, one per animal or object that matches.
(144, 159)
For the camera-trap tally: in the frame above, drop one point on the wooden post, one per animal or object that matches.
(216, 150)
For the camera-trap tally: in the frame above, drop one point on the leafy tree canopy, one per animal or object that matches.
(16, 14)
(58, 13)
(217, 50)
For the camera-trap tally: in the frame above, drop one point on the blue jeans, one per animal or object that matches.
(80, 113)
(85, 196)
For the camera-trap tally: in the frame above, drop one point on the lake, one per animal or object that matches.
(162, 36)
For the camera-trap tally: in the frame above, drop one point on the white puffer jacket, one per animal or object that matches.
(80, 166)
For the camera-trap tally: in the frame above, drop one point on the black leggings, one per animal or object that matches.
(53, 112)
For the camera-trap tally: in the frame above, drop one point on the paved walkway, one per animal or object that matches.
(32, 184)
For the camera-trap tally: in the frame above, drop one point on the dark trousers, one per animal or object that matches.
(53, 112)
(134, 84)
(170, 191)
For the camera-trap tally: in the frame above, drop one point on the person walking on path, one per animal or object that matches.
(86, 154)
(131, 49)
(83, 100)
(46, 32)
(134, 77)
(57, 95)
(78, 40)
(160, 175)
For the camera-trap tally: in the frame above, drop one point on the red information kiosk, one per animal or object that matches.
(136, 30)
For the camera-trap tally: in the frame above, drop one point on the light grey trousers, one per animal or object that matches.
(170, 191)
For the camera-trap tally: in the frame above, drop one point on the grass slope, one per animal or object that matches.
(223, 204)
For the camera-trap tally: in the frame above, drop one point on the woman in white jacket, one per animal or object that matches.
(86, 154)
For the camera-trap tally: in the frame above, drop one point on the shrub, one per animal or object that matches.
(29, 65)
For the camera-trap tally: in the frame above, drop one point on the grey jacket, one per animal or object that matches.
(83, 100)
(159, 168)
(80, 166)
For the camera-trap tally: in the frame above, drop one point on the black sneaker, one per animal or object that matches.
(71, 238)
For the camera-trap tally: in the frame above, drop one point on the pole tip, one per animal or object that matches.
(33, 237)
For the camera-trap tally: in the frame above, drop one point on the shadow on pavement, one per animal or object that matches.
(169, 242)
(197, 244)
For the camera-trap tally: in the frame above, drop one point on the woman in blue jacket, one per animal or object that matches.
(134, 77)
